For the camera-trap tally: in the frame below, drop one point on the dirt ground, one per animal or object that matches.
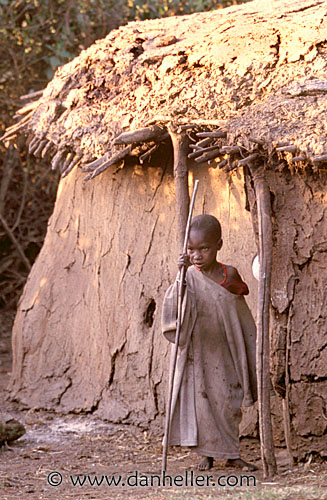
(65, 456)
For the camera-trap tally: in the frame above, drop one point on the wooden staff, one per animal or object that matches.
(263, 358)
(181, 290)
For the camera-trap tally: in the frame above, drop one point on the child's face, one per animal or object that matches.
(202, 248)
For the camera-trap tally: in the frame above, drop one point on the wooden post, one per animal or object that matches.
(181, 290)
(262, 352)
(180, 145)
(286, 399)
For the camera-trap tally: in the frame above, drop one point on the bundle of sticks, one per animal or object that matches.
(209, 147)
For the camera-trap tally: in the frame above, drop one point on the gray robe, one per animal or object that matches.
(215, 371)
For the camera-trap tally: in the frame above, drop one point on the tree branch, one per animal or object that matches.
(15, 242)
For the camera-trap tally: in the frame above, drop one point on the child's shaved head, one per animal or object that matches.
(208, 224)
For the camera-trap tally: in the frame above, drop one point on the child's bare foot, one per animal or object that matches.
(206, 463)
(240, 464)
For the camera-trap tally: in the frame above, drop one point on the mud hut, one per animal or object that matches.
(246, 86)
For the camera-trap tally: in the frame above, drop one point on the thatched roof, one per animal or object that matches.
(254, 70)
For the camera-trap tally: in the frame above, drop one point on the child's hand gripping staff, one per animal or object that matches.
(183, 264)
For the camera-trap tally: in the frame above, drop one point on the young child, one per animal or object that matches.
(215, 370)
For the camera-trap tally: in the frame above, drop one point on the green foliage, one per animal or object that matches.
(140, 9)
(38, 36)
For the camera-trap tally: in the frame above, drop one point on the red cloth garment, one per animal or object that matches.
(236, 286)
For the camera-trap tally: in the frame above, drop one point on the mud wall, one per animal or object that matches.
(87, 333)
(299, 303)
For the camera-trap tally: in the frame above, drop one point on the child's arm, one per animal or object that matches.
(234, 282)
(183, 260)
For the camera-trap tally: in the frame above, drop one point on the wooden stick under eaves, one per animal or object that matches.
(180, 143)
(262, 351)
